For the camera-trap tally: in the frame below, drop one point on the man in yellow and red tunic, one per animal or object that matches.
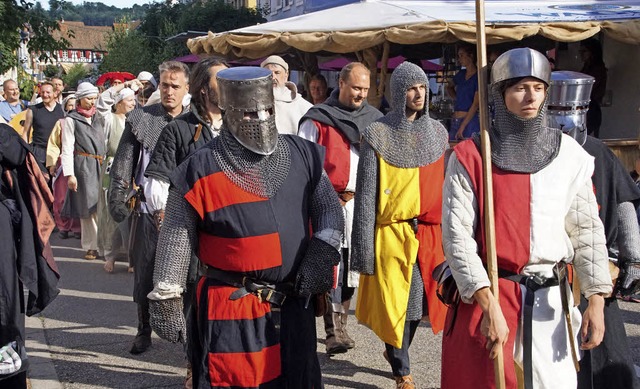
(396, 241)
(263, 217)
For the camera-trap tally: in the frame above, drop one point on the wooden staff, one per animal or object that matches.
(485, 148)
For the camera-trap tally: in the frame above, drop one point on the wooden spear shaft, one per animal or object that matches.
(485, 147)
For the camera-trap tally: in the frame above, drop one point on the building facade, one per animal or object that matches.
(282, 9)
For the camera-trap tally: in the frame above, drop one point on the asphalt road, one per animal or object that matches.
(82, 339)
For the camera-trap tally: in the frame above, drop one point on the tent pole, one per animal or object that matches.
(489, 221)
(384, 62)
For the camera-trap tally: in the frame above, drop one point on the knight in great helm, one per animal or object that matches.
(264, 220)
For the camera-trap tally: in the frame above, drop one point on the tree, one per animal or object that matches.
(94, 13)
(164, 20)
(121, 45)
(74, 75)
(51, 71)
(18, 16)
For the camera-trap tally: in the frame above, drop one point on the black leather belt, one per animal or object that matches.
(532, 284)
(272, 293)
(414, 222)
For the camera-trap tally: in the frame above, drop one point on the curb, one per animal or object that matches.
(42, 373)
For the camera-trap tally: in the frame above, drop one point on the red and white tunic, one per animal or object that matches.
(541, 219)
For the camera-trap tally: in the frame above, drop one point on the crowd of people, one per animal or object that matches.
(245, 211)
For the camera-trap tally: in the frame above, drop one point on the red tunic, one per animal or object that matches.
(465, 361)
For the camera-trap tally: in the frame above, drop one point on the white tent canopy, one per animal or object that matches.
(369, 23)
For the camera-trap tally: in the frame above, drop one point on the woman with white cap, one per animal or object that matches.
(83, 149)
(112, 106)
(147, 78)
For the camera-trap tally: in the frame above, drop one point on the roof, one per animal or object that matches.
(411, 22)
(84, 37)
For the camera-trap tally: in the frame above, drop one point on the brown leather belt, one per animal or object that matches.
(346, 196)
(100, 158)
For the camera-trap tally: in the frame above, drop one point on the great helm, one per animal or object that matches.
(518, 63)
(568, 103)
(246, 99)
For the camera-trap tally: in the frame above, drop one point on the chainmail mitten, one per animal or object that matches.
(364, 214)
(315, 274)
(629, 245)
(117, 206)
(167, 320)
(122, 171)
(628, 232)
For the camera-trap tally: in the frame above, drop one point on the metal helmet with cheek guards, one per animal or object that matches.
(568, 103)
(523, 62)
(246, 99)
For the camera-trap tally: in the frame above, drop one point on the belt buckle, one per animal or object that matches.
(259, 294)
(414, 225)
(538, 279)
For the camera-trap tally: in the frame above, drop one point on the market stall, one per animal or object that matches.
(375, 30)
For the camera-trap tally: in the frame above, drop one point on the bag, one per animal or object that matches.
(447, 290)
(322, 304)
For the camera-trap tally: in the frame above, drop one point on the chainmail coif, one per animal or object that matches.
(521, 145)
(404, 143)
(259, 174)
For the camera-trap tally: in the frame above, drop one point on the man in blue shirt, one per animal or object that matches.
(12, 104)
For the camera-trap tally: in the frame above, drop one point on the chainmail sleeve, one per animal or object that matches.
(585, 229)
(327, 219)
(364, 214)
(122, 172)
(628, 232)
(176, 243)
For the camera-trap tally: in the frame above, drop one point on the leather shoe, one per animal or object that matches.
(77, 235)
(405, 382)
(334, 346)
(140, 344)
(91, 254)
(63, 234)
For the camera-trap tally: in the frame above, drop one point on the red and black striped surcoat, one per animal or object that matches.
(238, 343)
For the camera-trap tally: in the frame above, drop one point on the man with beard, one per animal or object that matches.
(187, 133)
(262, 216)
(397, 238)
(142, 130)
(337, 124)
(290, 105)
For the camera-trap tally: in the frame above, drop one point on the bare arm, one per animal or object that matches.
(26, 129)
(470, 114)
(451, 89)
